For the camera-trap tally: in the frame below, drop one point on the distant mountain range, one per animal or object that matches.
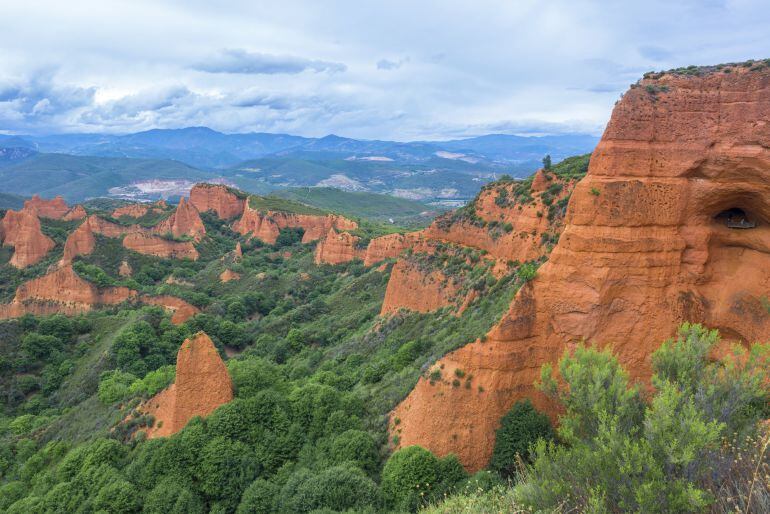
(81, 166)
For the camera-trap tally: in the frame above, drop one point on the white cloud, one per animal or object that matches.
(314, 68)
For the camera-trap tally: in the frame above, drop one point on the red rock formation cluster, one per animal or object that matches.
(54, 209)
(22, 231)
(61, 291)
(202, 384)
(267, 225)
(648, 244)
(184, 221)
(218, 198)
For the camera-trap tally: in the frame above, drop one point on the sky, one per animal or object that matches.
(399, 70)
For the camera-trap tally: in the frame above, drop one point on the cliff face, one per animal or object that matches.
(54, 209)
(202, 384)
(75, 213)
(338, 247)
(155, 245)
(22, 231)
(61, 291)
(80, 242)
(217, 198)
(185, 221)
(646, 247)
(267, 225)
(416, 290)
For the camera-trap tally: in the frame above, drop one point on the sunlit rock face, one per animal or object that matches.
(671, 224)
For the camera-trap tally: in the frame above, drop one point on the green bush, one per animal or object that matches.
(519, 429)
(338, 488)
(413, 477)
(673, 454)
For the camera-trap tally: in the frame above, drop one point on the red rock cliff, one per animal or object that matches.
(61, 291)
(338, 247)
(54, 209)
(646, 247)
(202, 384)
(217, 198)
(267, 225)
(22, 231)
(184, 221)
(160, 247)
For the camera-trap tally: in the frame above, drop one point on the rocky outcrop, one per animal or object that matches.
(255, 224)
(154, 245)
(267, 225)
(183, 222)
(61, 291)
(238, 252)
(54, 209)
(647, 245)
(201, 385)
(218, 198)
(22, 231)
(386, 247)
(418, 290)
(338, 247)
(81, 241)
(125, 269)
(131, 210)
(182, 311)
(228, 275)
(76, 213)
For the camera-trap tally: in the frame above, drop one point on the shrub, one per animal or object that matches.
(337, 488)
(519, 429)
(671, 455)
(259, 498)
(413, 477)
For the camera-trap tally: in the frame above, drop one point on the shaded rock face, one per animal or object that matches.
(185, 221)
(61, 291)
(75, 213)
(54, 209)
(338, 247)
(137, 210)
(266, 226)
(22, 231)
(155, 245)
(202, 384)
(217, 198)
(645, 248)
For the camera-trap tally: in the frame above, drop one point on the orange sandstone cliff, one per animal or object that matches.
(218, 198)
(201, 385)
(54, 209)
(671, 224)
(184, 221)
(61, 291)
(267, 225)
(338, 247)
(22, 231)
(75, 213)
(160, 247)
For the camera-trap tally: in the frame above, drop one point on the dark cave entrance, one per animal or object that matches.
(735, 218)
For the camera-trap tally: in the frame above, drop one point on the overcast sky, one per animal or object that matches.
(392, 69)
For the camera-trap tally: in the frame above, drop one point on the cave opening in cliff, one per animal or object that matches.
(736, 218)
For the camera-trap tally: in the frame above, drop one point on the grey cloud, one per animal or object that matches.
(239, 61)
(387, 64)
